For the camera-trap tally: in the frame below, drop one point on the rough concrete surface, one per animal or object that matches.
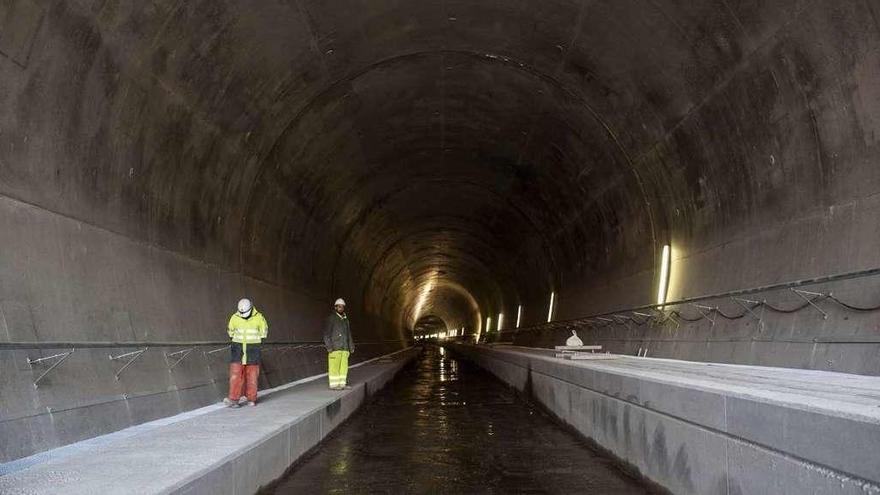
(458, 160)
(706, 428)
(231, 451)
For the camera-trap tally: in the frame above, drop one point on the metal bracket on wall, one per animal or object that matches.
(706, 312)
(663, 316)
(135, 355)
(182, 353)
(817, 295)
(658, 317)
(744, 304)
(62, 356)
(609, 322)
(671, 316)
(644, 315)
(622, 320)
(215, 351)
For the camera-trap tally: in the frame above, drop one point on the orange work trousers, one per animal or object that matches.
(243, 376)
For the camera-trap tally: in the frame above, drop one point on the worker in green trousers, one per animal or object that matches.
(339, 344)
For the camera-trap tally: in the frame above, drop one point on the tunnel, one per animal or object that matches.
(690, 181)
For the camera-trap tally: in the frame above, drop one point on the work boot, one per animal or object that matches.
(230, 403)
(252, 404)
(242, 401)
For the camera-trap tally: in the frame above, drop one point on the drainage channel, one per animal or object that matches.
(446, 426)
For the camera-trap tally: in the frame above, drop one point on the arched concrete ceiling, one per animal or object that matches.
(491, 151)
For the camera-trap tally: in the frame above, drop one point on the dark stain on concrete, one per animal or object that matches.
(333, 408)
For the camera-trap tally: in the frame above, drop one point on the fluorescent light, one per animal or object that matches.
(500, 320)
(518, 315)
(550, 311)
(664, 276)
(488, 323)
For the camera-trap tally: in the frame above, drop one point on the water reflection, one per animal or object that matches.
(341, 461)
(445, 426)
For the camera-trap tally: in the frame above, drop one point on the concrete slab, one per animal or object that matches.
(221, 451)
(702, 427)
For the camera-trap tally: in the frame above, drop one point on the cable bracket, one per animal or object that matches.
(61, 356)
(620, 319)
(182, 353)
(134, 357)
(217, 350)
(644, 315)
(744, 304)
(817, 295)
(609, 321)
(706, 312)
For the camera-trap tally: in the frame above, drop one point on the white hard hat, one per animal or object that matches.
(339, 302)
(245, 306)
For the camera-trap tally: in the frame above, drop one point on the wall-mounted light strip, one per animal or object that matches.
(500, 320)
(518, 315)
(488, 324)
(550, 310)
(664, 275)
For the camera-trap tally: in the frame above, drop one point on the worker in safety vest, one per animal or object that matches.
(339, 344)
(247, 328)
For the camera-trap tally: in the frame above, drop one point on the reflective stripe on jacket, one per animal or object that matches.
(250, 330)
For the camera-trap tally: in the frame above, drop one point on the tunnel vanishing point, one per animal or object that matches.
(693, 181)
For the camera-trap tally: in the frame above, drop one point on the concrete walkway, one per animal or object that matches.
(697, 427)
(232, 451)
(840, 394)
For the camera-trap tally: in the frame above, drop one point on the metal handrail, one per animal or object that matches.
(707, 297)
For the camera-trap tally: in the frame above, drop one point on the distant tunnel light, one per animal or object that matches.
(550, 310)
(488, 324)
(518, 315)
(664, 276)
(500, 320)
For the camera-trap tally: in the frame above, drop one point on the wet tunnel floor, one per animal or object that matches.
(446, 426)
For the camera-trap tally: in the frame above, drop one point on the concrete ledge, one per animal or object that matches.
(707, 428)
(231, 451)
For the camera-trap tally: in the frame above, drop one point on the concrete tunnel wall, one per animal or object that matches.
(159, 159)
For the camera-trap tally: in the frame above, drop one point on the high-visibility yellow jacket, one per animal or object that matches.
(251, 330)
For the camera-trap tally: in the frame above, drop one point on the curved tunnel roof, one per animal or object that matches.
(443, 158)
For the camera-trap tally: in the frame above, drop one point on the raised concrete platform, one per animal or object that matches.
(706, 428)
(223, 451)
